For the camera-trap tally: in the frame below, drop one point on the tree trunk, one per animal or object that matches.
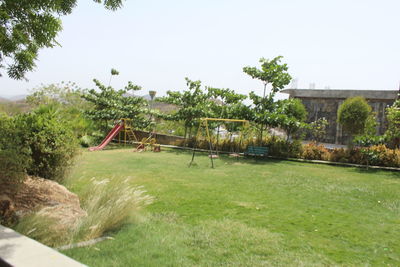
(190, 132)
(216, 146)
(184, 135)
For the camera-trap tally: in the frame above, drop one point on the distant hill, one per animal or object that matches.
(13, 98)
(3, 100)
(17, 97)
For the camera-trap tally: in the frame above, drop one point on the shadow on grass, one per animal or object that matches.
(225, 158)
(393, 174)
(261, 161)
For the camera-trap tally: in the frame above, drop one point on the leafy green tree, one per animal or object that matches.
(114, 72)
(274, 73)
(26, 26)
(368, 139)
(109, 105)
(291, 115)
(393, 117)
(318, 129)
(271, 72)
(67, 99)
(227, 103)
(193, 104)
(353, 115)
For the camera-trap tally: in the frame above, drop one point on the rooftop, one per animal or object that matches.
(342, 93)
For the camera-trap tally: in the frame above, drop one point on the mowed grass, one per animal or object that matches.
(246, 212)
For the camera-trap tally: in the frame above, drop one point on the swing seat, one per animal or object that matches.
(235, 155)
(214, 156)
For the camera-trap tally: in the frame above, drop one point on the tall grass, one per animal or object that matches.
(109, 203)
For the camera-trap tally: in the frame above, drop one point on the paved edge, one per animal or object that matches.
(19, 250)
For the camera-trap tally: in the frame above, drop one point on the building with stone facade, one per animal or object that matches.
(324, 103)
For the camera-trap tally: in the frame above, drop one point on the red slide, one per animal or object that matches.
(118, 127)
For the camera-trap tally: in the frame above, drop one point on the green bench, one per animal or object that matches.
(258, 151)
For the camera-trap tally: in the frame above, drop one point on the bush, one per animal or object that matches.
(14, 155)
(378, 155)
(393, 118)
(12, 168)
(313, 151)
(86, 141)
(353, 115)
(339, 155)
(51, 142)
(386, 157)
(279, 147)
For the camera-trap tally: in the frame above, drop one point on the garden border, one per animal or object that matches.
(343, 164)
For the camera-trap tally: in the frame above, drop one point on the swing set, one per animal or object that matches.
(204, 125)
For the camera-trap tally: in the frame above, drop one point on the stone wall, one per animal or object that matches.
(162, 139)
(327, 108)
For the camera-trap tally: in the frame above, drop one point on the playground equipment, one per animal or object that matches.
(149, 141)
(124, 130)
(204, 125)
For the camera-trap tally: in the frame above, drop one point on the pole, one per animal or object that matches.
(210, 145)
(195, 143)
(265, 87)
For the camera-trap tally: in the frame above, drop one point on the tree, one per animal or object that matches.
(26, 26)
(227, 103)
(318, 129)
(369, 138)
(291, 115)
(110, 105)
(67, 99)
(393, 117)
(271, 72)
(353, 115)
(193, 104)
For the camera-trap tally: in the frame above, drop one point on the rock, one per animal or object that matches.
(46, 197)
(6, 206)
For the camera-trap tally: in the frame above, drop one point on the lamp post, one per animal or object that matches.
(152, 94)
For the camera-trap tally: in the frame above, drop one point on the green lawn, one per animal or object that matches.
(247, 213)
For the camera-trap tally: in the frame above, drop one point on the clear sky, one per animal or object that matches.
(345, 44)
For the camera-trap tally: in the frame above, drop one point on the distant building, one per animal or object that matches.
(325, 103)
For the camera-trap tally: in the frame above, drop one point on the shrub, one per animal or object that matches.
(51, 142)
(12, 168)
(353, 115)
(339, 155)
(14, 155)
(279, 147)
(313, 151)
(318, 129)
(386, 157)
(86, 141)
(393, 118)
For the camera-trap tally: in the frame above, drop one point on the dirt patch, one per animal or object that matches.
(38, 194)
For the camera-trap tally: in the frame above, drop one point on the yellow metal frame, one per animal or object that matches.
(228, 120)
(204, 123)
(128, 133)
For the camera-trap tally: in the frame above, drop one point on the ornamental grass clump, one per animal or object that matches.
(109, 204)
